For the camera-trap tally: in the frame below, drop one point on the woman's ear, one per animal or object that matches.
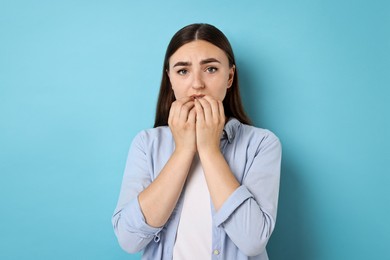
(231, 75)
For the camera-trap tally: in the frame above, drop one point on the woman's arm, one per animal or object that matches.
(159, 199)
(130, 227)
(209, 126)
(248, 216)
(246, 211)
(145, 206)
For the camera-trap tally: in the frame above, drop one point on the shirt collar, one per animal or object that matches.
(230, 129)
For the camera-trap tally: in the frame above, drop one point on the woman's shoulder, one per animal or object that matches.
(249, 131)
(257, 136)
(151, 134)
(262, 132)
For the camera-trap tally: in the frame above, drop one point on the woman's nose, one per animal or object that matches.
(197, 82)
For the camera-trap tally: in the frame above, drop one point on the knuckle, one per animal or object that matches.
(187, 106)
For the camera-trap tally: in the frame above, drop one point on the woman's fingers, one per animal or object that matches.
(180, 109)
(204, 110)
(199, 111)
(214, 106)
(185, 110)
(209, 124)
(182, 124)
(192, 115)
(211, 109)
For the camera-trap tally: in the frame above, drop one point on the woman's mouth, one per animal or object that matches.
(197, 96)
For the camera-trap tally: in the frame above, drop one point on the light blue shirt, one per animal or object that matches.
(241, 227)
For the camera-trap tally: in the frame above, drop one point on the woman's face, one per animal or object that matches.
(200, 68)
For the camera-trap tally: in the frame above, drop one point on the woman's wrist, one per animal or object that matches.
(185, 151)
(209, 152)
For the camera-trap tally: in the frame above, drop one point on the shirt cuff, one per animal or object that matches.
(135, 220)
(238, 197)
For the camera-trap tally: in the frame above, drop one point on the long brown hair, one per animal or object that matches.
(232, 103)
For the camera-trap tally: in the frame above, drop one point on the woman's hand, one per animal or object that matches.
(210, 120)
(181, 121)
(159, 199)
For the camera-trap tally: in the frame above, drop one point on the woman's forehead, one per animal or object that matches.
(198, 50)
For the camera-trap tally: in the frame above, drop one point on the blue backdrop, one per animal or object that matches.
(78, 79)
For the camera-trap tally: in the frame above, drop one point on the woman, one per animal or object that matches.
(202, 183)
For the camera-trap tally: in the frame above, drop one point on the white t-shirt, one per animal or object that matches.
(194, 238)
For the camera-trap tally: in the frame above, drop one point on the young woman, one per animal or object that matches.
(203, 183)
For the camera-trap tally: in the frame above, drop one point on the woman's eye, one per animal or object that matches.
(182, 72)
(211, 69)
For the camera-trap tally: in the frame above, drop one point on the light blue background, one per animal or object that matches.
(78, 79)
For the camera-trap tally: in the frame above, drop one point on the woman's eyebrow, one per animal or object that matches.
(202, 62)
(182, 63)
(209, 60)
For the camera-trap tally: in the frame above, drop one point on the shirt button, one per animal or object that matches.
(216, 252)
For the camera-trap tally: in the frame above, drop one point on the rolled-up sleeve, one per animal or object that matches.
(129, 224)
(248, 216)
